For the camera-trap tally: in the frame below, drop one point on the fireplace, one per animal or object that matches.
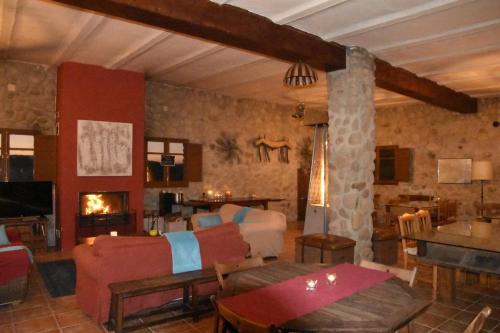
(102, 212)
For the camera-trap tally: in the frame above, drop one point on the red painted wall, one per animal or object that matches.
(90, 92)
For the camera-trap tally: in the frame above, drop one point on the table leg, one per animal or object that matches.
(112, 313)
(266, 205)
(446, 289)
(119, 315)
(185, 295)
(194, 301)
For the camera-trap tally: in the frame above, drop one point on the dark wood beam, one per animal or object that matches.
(406, 83)
(227, 25)
(242, 29)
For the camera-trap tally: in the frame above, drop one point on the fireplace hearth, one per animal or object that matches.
(102, 212)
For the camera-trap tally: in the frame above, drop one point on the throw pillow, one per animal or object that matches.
(209, 221)
(4, 240)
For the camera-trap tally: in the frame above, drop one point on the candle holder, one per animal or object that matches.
(331, 278)
(311, 285)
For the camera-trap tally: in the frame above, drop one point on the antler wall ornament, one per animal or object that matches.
(265, 145)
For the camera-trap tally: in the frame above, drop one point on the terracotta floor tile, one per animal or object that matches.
(83, 328)
(36, 325)
(490, 324)
(7, 328)
(172, 327)
(417, 328)
(430, 319)
(22, 315)
(452, 326)
(32, 302)
(71, 318)
(5, 317)
(443, 310)
(464, 317)
(63, 304)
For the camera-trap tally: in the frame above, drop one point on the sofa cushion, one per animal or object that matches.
(4, 240)
(208, 221)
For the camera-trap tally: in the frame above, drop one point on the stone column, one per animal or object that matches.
(351, 150)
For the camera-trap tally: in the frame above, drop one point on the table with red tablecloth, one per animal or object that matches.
(361, 300)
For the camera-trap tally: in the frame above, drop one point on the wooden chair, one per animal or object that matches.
(477, 323)
(447, 211)
(223, 269)
(412, 223)
(244, 325)
(403, 274)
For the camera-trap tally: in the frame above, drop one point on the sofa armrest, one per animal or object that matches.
(272, 219)
(196, 224)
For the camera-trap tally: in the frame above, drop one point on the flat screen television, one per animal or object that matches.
(25, 199)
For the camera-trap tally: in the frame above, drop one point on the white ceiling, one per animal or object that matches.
(453, 42)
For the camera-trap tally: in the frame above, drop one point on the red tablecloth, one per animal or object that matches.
(287, 300)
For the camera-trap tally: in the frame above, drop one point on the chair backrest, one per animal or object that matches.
(242, 324)
(408, 224)
(223, 269)
(477, 323)
(424, 217)
(401, 273)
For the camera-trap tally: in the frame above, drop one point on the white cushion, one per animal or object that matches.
(411, 251)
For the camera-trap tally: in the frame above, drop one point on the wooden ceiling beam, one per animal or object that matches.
(233, 26)
(406, 83)
(227, 25)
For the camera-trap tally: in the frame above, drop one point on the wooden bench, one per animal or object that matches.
(188, 280)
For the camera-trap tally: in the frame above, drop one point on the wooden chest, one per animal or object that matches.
(321, 248)
(385, 245)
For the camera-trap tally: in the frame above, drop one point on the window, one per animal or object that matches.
(17, 148)
(160, 174)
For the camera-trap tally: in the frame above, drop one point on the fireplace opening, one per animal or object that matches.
(103, 203)
(102, 212)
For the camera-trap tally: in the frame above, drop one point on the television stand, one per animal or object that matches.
(33, 230)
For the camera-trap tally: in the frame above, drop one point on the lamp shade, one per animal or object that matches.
(300, 75)
(482, 170)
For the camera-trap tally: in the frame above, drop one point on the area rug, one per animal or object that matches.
(59, 277)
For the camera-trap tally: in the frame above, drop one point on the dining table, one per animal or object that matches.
(359, 300)
(470, 245)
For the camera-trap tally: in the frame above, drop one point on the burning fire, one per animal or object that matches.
(95, 205)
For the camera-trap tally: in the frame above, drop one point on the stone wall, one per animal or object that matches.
(202, 117)
(351, 114)
(435, 133)
(27, 96)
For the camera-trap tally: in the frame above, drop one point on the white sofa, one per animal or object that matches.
(262, 229)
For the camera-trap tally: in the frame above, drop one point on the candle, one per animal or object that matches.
(331, 278)
(311, 284)
(113, 233)
(210, 194)
(228, 194)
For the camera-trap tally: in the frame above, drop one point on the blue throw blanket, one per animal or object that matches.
(239, 217)
(185, 251)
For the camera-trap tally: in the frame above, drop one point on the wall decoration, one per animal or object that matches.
(265, 145)
(227, 147)
(455, 171)
(104, 148)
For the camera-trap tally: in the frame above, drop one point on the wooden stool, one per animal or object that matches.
(329, 249)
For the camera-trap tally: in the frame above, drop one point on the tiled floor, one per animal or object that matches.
(41, 313)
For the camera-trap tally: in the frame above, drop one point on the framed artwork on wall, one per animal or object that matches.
(455, 171)
(104, 148)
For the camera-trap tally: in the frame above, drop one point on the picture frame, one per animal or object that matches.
(167, 160)
(454, 170)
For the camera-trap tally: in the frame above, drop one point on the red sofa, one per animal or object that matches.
(14, 271)
(114, 259)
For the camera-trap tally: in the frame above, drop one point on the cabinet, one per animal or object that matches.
(392, 165)
(33, 231)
